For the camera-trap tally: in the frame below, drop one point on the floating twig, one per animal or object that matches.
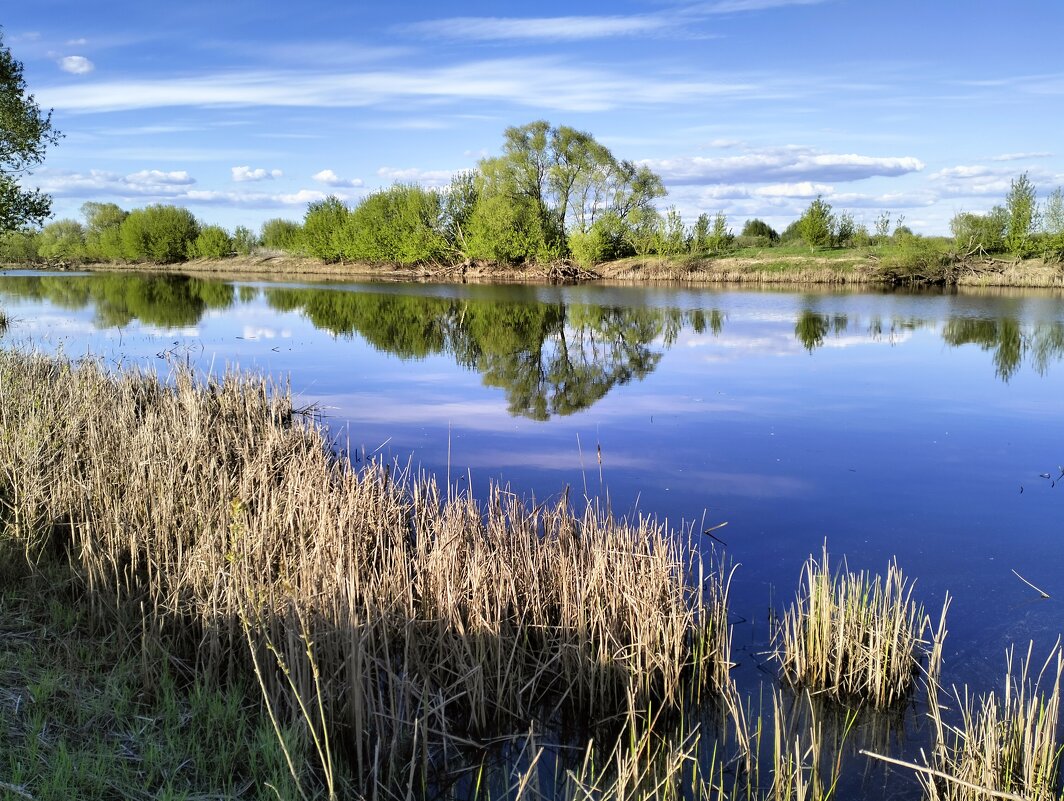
(1040, 591)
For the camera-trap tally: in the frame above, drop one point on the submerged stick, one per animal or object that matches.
(942, 775)
(1040, 591)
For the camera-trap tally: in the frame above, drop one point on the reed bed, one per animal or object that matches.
(216, 528)
(1005, 745)
(855, 637)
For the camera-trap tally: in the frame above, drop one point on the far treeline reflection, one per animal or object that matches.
(550, 358)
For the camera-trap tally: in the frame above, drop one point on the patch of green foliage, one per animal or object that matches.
(160, 233)
(83, 715)
(212, 242)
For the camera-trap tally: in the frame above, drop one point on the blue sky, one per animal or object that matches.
(244, 111)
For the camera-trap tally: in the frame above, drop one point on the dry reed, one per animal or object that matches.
(855, 637)
(203, 516)
(1005, 745)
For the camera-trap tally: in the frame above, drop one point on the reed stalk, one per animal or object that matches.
(855, 637)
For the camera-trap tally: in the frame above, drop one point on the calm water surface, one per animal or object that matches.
(916, 426)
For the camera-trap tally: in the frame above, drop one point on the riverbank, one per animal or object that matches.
(764, 267)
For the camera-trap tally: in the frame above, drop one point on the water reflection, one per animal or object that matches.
(550, 358)
(168, 301)
(549, 355)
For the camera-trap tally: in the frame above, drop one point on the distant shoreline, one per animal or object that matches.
(762, 268)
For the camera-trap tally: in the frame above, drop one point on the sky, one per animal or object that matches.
(245, 111)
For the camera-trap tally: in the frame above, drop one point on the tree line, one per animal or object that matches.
(553, 194)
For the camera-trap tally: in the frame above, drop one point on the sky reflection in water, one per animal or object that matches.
(890, 424)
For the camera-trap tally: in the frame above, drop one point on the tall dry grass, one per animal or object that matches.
(856, 637)
(206, 519)
(1005, 744)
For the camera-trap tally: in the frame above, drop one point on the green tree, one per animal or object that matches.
(103, 230)
(278, 234)
(1052, 224)
(400, 225)
(159, 233)
(756, 227)
(986, 232)
(25, 133)
(845, 230)
(569, 179)
(1021, 207)
(672, 235)
(19, 247)
(459, 203)
(212, 242)
(817, 225)
(244, 240)
(62, 241)
(700, 234)
(720, 235)
(323, 228)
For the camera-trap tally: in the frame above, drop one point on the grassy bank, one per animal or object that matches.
(929, 262)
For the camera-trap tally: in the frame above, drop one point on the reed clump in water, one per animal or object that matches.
(854, 637)
(204, 517)
(1004, 745)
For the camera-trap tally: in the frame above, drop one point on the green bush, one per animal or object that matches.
(506, 230)
(323, 228)
(103, 231)
(400, 225)
(980, 231)
(606, 240)
(62, 241)
(19, 247)
(756, 227)
(278, 234)
(817, 225)
(753, 241)
(244, 240)
(213, 242)
(160, 234)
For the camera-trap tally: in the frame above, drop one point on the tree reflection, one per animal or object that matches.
(168, 301)
(1010, 341)
(549, 358)
(812, 327)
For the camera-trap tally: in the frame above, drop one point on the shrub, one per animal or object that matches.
(756, 227)
(1021, 210)
(103, 230)
(19, 247)
(400, 225)
(159, 233)
(607, 239)
(323, 228)
(278, 234)
(213, 242)
(62, 241)
(980, 231)
(506, 230)
(244, 240)
(817, 225)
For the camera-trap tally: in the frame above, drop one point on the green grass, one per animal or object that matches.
(79, 720)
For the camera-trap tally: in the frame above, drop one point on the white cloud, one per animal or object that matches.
(428, 178)
(245, 173)
(143, 184)
(543, 83)
(77, 42)
(1020, 156)
(800, 189)
(78, 65)
(330, 178)
(781, 164)
(160, 178)
(539, 28)
(254, 199)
